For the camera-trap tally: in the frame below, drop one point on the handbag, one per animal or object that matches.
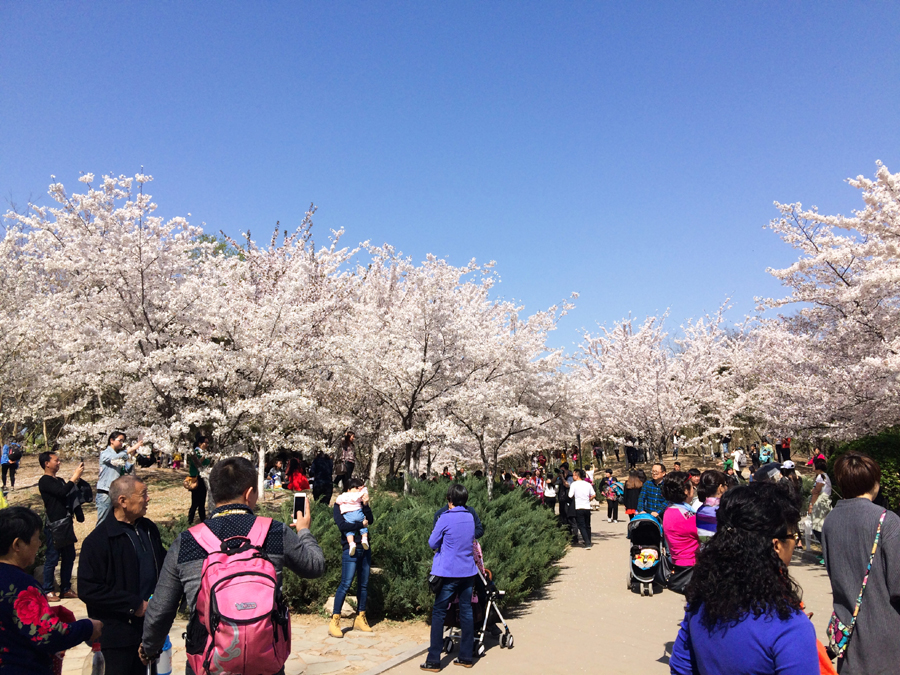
(191, 482)
(839, 634)
(435, 583)
(62, 532)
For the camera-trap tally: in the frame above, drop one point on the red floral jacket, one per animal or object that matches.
(31, 632)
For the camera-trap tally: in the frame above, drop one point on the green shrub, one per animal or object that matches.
(520, 544)
(884, 448)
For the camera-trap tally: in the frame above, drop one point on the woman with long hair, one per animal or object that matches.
(632, 493)
(743, 614)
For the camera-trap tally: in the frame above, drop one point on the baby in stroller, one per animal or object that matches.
(484, 606)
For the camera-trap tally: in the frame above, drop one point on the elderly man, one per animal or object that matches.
(114, 462)
(117, 574)
(232, 484)
(651, 499)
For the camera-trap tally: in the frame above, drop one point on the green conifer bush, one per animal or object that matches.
(521, 544)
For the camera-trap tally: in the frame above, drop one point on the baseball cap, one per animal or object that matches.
(788, 465)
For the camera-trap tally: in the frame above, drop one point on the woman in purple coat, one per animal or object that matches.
(452, 540)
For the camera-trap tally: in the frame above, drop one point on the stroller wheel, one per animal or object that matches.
(448, 645)
(480, 651)
(509, 641)
(650, 590)
(503, 640)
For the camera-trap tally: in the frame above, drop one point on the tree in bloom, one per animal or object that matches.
(833, 365)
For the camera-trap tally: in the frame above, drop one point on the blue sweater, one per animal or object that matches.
(763, 645)
(29, 633)
(453, 540)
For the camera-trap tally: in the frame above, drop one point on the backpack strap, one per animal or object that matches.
(205, 537)
(259, 531)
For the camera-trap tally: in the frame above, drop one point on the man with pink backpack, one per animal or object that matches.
(229, 568)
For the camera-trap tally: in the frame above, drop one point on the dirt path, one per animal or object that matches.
(588, 622)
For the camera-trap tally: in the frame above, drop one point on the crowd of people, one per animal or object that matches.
(730, 540)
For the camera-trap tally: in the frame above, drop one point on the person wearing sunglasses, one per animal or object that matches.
(744, 614)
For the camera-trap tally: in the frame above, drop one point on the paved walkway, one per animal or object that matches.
(313, 651)
(587, 621)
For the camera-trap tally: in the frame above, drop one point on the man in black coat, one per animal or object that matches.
(117, 573)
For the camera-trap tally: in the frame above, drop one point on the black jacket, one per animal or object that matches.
(346, 527)
(109, 579)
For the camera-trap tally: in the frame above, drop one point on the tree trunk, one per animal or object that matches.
(373, 466)
(261, 478)
(407, 467)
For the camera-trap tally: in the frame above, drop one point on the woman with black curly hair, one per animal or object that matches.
(744, 613)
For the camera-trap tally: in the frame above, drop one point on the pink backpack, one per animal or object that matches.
(240, 606)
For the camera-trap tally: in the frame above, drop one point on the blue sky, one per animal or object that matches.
(627, 151)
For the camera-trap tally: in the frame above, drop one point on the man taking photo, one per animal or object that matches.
(117, 573)
(59, 532)
(115, 461)
(232, 484)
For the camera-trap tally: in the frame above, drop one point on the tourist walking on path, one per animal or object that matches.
(356, 561)
(454, 564)
(9, 462)
(857, 534)
(632, 493)
(197, 461)
(232, 484)
(581, 493)
(59, 532)
(612, 490)
(651, 499)
(114, 462)
(550, 494)
(117, 574)
(820, 500)
(31, 632)
(744, 615)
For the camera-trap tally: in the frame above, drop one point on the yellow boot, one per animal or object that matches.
(361, 624)
(334, 628)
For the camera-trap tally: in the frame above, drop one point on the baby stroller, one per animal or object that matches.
(484, 603)
(647, 549)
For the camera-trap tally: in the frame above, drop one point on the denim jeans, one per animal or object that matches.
(103, 504)
(453, 586)
(67, 554)
(356, 517)
(357, 565)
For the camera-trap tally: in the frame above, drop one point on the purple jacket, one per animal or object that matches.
(452, 540)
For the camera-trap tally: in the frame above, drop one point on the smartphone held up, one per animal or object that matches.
(299, 504)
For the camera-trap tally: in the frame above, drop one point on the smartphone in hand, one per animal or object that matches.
(299, 504)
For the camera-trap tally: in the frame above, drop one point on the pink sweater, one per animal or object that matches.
(680, 526)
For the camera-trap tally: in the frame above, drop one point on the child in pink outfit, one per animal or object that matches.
(350, 503)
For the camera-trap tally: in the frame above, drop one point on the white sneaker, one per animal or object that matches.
(365, 544)
(615, 521)
(353, 549)
(609, 520)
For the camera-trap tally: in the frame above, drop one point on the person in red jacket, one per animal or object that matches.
(296, 480)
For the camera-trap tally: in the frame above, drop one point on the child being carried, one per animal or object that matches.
(350, 503)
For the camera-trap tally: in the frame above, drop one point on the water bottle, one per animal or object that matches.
(94, 663)
(164, 665)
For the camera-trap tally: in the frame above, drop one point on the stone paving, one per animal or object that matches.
(313, 651)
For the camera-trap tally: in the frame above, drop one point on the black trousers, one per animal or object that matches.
(550, 502)
(198, 502)
(345, 477)
(322, 493)
(11, 468)
(612, 509)
(583, 520)
(124, 661)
